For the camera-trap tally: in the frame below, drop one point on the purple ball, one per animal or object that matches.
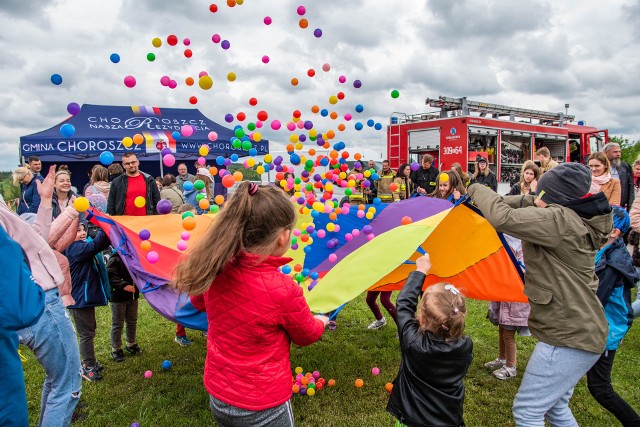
(310, 229)
(317, 32)
(144, 234)
(228, 118)
(317, 177)
(294, 247)
(357, 84)
(164, 207)
(357, 165)
(301, 200)
(308, 125)
(73, 108)
(367, 229)
(227, 162)
(415, 166)
(331, 244)
(302, 138)
(136, 424)
(225, 44)
(277, 161)
(366, 183)
(279, 168)
(304, 174)
(165, 151)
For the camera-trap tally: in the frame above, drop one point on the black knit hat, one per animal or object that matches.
(564, 183)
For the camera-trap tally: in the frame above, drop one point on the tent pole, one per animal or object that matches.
(161, 168)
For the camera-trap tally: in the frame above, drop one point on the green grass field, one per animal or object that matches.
(178, 398)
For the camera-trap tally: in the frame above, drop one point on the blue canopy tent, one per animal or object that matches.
(100, 128)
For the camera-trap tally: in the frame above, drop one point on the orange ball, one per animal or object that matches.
(295, 389)
(294, 82)
(189, 81)
(326, 145)
(359, 383)
(406, 220)
(145, 245)
(393, 186)
(204, 204)
(213, 170)
(333, 216)
(341, 127)
(388, 387)
(304, 237)
(331, 134)
(361, 207)
(237, 176)
(333, 115)
(290, 148)
(357, 156)
(334, 154)
(315, 109)
(189, 223)
(312, 151)
(138, 139)
(331, 383)
(304, 380)
(303, 23)
(297, 268)
(219, 199)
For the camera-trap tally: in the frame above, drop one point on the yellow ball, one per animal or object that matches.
(205, 82)
(367, 173)
(81, 204)
(139, 201)
(127, 141)
(318, 206)
(251, 162)
(444, 177)
(313, 133)
(156, 42)
(311, 392)
(294, 138)
(203, 150)
(333, 100)
(298, 370)
(257, 136)
(328, 186)
(268, 158)
(231, 77)
(331, 226)
(299, 146)
(260, 170)
(369, 215)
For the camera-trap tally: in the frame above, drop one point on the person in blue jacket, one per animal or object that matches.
(88, 284)
(617, 275)
(21, 306)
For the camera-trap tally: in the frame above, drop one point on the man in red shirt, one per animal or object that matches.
(126, 188)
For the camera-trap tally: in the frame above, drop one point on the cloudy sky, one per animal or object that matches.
(536, 54)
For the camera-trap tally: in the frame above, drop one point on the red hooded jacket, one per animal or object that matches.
(254, 313)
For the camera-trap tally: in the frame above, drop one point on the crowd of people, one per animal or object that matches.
(576, 264)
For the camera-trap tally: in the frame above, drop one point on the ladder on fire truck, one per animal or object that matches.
(464, 107)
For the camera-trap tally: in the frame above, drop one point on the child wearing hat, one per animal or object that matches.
(562, 228)
(617, 276)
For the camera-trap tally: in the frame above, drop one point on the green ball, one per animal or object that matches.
(151, 57)
(395, 94)
(348, 192)
(236, 143)
(246, 145)
(309, 187)
(294, 240)
(251, 126)
(199, 184)
(200, 196)
(188, 214)
(297, 180)
(214, 209)
(239, 133)
(299, 278)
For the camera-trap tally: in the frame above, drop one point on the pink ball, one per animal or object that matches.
(347, 117)
(148, 374)
(213, 136)
(337, 229)
(182, 245)
(375, 371)
(291, 126)
(259, 124)
(342, 79)
(173, 84)
(344, 210)
(370, 236)
(267, 20)
(265, 59)
(296, 232)
(202, 74)
(169, 160)
(186, 42)
(328, 209)
(333, 257)
(185, 235)
(326, 67)
(360, 214)
(322, 234)
(202, 161)
(300, 124)
(301, 10)
(164, 80)
(316, 374)
(216, 38)
(275, 125)
(186, 130)
(152, 257)
(348, 237)
(355, 232)
(129, 81)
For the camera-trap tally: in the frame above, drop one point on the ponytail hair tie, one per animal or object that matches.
(253, 188)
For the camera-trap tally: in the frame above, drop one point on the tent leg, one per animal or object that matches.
(161, 168)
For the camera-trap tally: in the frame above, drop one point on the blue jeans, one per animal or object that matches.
(547, 385)
(55, 344)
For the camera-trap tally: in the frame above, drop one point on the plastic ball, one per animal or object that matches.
(395, 94)
(375, 371)
(67, 130)
(166, 365)
(225, 44)
(415, 166)
(359, 383)
(228, 181)
(148, 374)
(186, 130)
(444, 177)
(185, 215)
(73, 108)
(129, 81)
(144, 234)
(357, 84)
(168, 160)
(406, 220)
(189, 223)
(311, 391)
(212, 136)
(231, 77)
(317, 33)
(205, 82)
(301, 10)
(213, 8)
(106, 158)
(333, 257)
(265, 59)
(164, 207)
(115, 58)
(359, 108)
(267, 20)
(151, 56)
(156, 42)
(187, 186)
(153, 257)
(331, 383)
(56, 79)
(139, 201)
(81, 204)
(388, 387)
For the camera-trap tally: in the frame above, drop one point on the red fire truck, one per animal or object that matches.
(506, 136)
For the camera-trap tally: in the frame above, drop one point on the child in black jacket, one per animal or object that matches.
(124, 308)
(436, 355)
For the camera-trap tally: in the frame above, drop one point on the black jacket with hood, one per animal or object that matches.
(118, 194)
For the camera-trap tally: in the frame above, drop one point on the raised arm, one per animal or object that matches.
(407, 301)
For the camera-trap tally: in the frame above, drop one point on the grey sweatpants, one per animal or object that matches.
(547, 385)
(123, 313)
(85, 321)
(231, 416)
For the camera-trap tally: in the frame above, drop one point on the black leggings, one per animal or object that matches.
(599, 383)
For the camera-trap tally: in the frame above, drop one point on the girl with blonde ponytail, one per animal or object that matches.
(254, 310)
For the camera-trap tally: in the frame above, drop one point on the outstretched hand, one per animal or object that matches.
(322, 317)
(45, 188)
(423, 264)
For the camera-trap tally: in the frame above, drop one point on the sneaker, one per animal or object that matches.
(118, 355)
(91, 373)
(377, 324)
(505, 372)
(183, 341)
(97, 366)
(332, 325)
(495, 363)
(134, 350)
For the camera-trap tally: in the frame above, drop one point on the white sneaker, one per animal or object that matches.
(495, 363)
(505, 372)
(377, 324)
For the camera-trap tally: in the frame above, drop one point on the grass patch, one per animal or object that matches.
(178, 398)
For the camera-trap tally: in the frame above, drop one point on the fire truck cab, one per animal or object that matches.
(461, 130)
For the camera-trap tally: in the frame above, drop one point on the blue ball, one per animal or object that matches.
(176, 135)
(378, 126)
(115, 58)
(370, 122)
(377, 201)
(106, 158)
(166, 365)
(67, 130)
(220, 160)
(324, 112)
(294, 159)
(286, 269)
(359, 126)
(359, 108)
(253, 152)
(305, 272)
(307, 249)
(324, 161)
(314, 275)
(314, 214)
(56, 79)
(234, 157)
(375, 177)
(187, 186)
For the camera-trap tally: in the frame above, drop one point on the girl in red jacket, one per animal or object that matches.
(254, 310)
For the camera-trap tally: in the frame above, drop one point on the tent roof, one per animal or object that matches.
(100, 128)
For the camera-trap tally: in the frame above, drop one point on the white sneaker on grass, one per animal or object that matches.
(377, 324)
(495, 363)
(505, 372)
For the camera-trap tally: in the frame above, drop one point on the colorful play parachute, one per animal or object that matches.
(465, 250)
